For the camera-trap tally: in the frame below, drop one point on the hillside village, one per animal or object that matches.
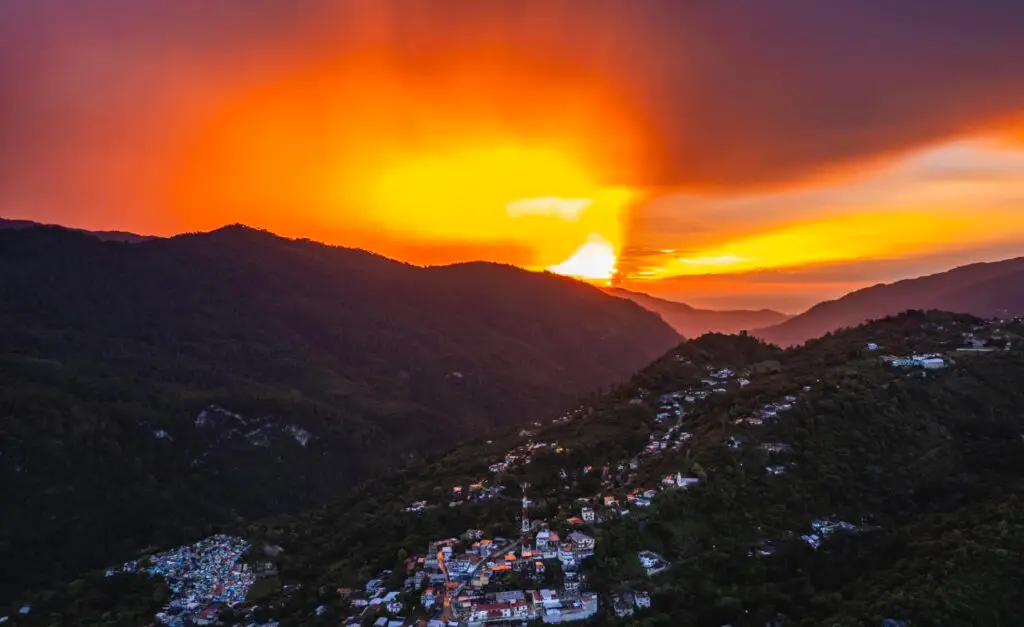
(540, 573)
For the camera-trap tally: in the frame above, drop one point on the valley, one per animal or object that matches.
(730, 481)
(156, 390)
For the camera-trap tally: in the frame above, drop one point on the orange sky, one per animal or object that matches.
(723, 157)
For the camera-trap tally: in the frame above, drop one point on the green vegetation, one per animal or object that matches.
(927, 465)
(110, 351)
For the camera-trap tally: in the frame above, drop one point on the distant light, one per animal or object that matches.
(595, 260)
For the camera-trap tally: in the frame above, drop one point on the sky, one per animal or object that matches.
(726, 153)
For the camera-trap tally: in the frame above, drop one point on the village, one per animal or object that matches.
(536, 575)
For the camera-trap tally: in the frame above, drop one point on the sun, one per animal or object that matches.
(594, 260)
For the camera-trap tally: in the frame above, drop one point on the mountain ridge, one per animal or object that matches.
(978, 289)
(691, 321)
(124, 344)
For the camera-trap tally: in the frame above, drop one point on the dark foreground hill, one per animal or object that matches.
(980, 289)
(831, 489)
(153, 388)
(693, 322)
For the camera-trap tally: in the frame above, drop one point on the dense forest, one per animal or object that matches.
(925, 465)
(154, 390)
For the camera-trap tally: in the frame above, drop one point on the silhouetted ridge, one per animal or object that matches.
(106, 344)
(982, 289)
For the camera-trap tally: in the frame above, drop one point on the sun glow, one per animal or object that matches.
(481, 167)
(595, 260)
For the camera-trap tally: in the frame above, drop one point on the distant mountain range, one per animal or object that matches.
(154, 388)
(692, 322)
(982, 289)
(106, 236)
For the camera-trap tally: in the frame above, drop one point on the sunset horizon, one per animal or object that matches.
(528, 134)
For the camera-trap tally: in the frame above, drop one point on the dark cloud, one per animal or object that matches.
(727, 93)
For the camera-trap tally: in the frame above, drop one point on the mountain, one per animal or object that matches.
(981, 289)
(154, 389)
(106, 236)
(692, 322)
(824, 487)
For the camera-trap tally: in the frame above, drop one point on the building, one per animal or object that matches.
(546, 598)
(587, 514)
(623, 605)
(505, 611)
(581, 609)
(642, 599)
(652, 562)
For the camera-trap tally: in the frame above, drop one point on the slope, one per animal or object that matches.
(692, 322)
(155, 388)
(979, 289)
(830, 488)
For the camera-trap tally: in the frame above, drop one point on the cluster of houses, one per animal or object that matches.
(467, 580)
(204, 578)
(824, 527)
(929, 362)
(624, 603)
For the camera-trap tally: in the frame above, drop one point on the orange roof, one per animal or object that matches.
(500, 567)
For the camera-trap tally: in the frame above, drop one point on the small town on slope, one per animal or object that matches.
(474, 578)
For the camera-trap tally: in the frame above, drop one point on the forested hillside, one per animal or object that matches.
(831, 487)
(980, 289)
(153, 389)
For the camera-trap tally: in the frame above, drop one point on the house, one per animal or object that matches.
(642, 599)
(872, 346)
(652, 562)
(428, 598)
(509, 610)
(546, 598)
(587, 514)
(678, 480)
(609, 501)
(932, 363)
(577, 547)
(623, 605)
(581, 609)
